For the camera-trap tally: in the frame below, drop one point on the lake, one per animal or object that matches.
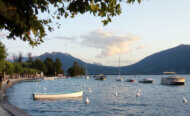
(155, 99)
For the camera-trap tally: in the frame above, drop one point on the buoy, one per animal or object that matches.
(138, 94)
(44, 89)
(113, 86)
(139, 91)
(116, 93)
(87, 100)
(89, 90)
(184, 100)
(84, 86)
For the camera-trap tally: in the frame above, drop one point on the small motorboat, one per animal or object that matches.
(102, 78)
(173, 80)
(147, 80)
(57, 95)
(119, 79)
(130, 80)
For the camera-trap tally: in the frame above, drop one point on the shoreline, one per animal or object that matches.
(7, 109)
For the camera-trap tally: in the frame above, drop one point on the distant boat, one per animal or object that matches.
(130, 80)
(119, 78)
(49, 78)
(57, 95)
(172, 80)
(147, 80)
(101, 77)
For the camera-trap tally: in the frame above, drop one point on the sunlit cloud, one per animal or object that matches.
(109, 43)
(141, 47)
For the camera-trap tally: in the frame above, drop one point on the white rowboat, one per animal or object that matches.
(49, 78)
(57, 95)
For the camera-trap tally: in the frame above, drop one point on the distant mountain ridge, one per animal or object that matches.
(175, 59)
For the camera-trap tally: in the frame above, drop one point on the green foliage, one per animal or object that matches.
(76, 70)
(3, 53)
(49, 64)
(39, 65)
(20, 17)
(58, 67)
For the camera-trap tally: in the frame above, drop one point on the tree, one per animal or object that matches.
(76, 70)
(3, 53)
(20, 17)
(49, 64)
(20, 57)
(39, 65)
(58, 67)
(30, 59)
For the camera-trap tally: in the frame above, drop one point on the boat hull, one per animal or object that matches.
(146, 81)
(172, 80)
(57, 95)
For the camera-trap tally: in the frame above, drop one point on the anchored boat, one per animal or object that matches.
(57, 95)
(172, 80)
(130, 80)
(147, 80)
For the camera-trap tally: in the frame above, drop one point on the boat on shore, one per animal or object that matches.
(49, 78)
(172, 80)
(146, 80)
(63, 95)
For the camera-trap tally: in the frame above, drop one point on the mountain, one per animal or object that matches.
(67, 61)
(175, 59)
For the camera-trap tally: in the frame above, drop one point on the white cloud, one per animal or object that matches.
(141, 47)
(65, 38)
(109, 43)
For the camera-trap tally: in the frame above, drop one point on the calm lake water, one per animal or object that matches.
(155, 99)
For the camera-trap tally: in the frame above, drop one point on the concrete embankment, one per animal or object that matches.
(6, 109)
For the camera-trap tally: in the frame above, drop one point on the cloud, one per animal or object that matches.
(141, 47)
(109, 43)
(65, 38)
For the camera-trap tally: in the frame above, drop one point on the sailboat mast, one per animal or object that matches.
(86, 69)
(119, 65)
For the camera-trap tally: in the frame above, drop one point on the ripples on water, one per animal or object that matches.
(155, 99)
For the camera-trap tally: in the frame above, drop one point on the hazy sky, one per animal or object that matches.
(139, 31)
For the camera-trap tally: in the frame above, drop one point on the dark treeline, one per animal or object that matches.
(76, 70)
(34, 66)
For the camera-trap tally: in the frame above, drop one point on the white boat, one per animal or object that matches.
(49, 78)
(119, 78)
(173, 80)
(57, 95)
(146, 80)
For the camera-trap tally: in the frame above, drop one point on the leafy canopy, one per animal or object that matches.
(20, 17)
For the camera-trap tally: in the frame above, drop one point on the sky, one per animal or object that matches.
(140, 30)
